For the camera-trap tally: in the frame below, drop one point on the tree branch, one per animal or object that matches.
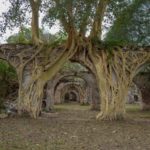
(96, 30)
(35, 5)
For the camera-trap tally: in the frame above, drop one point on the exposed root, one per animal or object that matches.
(110, 116)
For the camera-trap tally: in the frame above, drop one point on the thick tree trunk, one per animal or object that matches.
(33, 77)
(115, 72)
(32, 86)
(113, 92)
(30, 98)
(112, 84)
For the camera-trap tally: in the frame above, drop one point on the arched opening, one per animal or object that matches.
(134, 95)
(70, 97)
(74, 81)
(8, 87)
(142, 80)
(139, 95)
(68, 87)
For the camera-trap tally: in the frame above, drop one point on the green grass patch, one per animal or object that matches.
(71, 106)
(135, 110)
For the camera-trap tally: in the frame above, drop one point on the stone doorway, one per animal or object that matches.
(70, 97)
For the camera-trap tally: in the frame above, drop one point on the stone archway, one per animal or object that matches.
(9, 86)
(91, 88)
(114, 72)
(142, 80)
(70, 96)
(67, 87)
(88, 76)
(134, 95)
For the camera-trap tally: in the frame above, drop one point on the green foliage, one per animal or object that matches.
(115, 8)
(57, 39)
(129, 19)
(24, 36)
(6, 71)
(19, 14)
(83, 11)
(3, 92)
(132, 24)
(7, 75)
(16, 15)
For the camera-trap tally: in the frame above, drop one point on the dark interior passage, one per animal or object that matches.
(70, 97)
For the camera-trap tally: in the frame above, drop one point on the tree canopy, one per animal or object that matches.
(132, 25)
(84, 17)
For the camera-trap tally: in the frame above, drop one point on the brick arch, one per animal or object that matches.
(93, 92)
(65, 78)
(74, 92)
(70, 89)
(115, 74)
(141, 67)
(64, 87)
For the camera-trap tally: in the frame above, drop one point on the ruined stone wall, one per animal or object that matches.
(87, 90)
(134, 95)
(143, 82)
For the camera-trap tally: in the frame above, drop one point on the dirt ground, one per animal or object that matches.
(73, 127)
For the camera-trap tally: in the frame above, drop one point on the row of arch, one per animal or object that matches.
(63, 87)
(79, 84)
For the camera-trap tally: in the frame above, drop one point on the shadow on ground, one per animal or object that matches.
(73, 127)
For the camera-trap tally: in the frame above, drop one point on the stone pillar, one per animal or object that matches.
(49, 97)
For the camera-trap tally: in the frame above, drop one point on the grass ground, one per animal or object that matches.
(73, 127)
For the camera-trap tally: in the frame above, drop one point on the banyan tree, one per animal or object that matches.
(113, 65)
